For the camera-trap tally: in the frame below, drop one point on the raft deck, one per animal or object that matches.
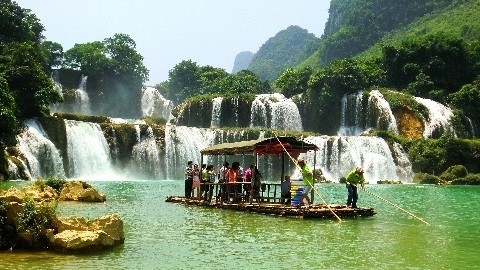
(312, 212)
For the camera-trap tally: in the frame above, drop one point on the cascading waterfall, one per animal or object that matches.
(284, 112)
(352, 121)
(82, 101)
(216, 112)
(339, 155)
(43, 158)
(88, 151)
(258, 114)
(145, 156)
(438, 121)
(380, 114)
(154, 104)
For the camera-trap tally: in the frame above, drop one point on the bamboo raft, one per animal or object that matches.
(318, 211)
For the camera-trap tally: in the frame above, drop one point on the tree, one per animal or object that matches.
(18, 24)
(54, 53)
(8, 112)
(184, 80)
(30, 85)
(245, 81)
(468, 99)
(125, 61)
(89, 57)
(294, 81)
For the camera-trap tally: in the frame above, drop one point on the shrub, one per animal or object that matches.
(33, 219)
(7, 232)
(55, 183)
(430, 179)
(457, 171)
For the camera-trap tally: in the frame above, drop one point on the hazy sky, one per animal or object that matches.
(209, 32)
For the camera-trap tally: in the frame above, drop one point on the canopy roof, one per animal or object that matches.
(265, 146)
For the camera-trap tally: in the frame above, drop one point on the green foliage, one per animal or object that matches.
(430, 179)
(8, 120)
(187, 80)
(54, 53)
(150, 120)
(354, 26)
(34, 218)
(453, 172)
(89, 57)
(18, 24)
(55, 183)
(437, 155)
(286, 49)
(294, 81)
(468, 99)
(398, 101)
(427, 63)
(7, 232)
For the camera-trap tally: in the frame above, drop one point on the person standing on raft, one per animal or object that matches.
(307, 177)
(354, 178)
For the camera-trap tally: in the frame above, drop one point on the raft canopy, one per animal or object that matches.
(264, 146)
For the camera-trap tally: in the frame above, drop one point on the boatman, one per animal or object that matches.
(354, 178)
(307, 177)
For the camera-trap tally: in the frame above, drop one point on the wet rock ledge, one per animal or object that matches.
(28, 220)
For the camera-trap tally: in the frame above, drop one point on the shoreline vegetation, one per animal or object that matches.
(28, 219)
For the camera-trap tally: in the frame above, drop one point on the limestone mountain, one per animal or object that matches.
(286, 49)
(242, 60)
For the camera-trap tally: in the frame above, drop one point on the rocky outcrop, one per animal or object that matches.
(29, 220)
(80, 191)
(77, 235)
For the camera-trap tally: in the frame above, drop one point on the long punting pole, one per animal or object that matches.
(392, 204)
(296, 164)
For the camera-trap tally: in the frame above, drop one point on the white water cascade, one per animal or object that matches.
(438, 121)
(145, 155)
(355, 119)
(216, 112)
(88, 151)
(82, 101)
(339, 155)
(284, 113)
(43, 158)
(154, 104)
(380, 115)
(352, 121)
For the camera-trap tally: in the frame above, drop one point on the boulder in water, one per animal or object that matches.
(80, 191)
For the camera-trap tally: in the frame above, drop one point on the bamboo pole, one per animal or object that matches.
(314, 189)
(394, 205)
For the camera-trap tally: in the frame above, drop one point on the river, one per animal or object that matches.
(160, 235)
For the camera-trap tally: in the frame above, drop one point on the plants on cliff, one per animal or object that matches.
(55, 183)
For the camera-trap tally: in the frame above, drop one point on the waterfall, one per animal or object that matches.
(43, 158)
(216, 112)
(352, 122)
(82, 101)
(88, 151)
(339, 155)
(145, 156)
(438, 121)
(258, 114)
(380, 114)
(284, 112)
(154, 104)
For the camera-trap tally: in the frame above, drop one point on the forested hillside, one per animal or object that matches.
(286, 49)
(354, 26)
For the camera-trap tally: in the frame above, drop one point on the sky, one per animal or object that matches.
(166, 32)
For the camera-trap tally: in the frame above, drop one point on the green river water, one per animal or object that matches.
(162, 235)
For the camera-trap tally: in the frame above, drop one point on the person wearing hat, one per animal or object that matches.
(354, 178)
(307, 177)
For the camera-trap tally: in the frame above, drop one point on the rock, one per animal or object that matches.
(80, 191)
(77, 235)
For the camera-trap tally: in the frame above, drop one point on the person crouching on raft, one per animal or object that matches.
(307, 176)
(354, 178)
